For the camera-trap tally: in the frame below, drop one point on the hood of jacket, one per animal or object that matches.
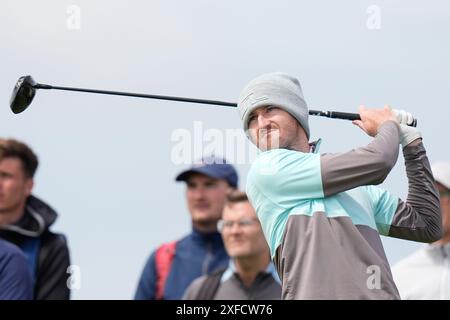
(37, 218)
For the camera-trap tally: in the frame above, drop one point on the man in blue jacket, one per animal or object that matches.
(15, 278)
(174, 265)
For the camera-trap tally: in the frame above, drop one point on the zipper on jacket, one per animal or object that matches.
(208, 258)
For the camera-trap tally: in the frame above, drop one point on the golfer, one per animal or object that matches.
(321, 214)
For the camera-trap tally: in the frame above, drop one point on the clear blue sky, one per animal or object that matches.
(106, 162)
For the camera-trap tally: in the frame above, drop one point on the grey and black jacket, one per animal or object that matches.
(322, 215)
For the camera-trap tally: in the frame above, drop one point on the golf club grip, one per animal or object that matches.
(344, 115)
(355, 116)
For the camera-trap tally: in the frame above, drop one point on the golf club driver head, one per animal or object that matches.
(23, 94)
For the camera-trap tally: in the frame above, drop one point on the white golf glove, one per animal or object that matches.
(403, 116)
(408, 134)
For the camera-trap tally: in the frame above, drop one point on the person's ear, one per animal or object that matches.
(29, 184)
(230, 190)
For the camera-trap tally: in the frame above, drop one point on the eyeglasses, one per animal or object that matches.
(242, 223)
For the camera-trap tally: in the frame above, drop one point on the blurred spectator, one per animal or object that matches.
(426, 273)
(25, 221)
(172, 267)
(250, 275)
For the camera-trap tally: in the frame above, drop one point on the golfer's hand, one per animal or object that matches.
(372, 119)
(403, 117)
(407, 134)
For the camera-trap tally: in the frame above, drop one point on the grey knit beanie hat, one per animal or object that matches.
(277, 89)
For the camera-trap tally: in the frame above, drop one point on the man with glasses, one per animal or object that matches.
(426, 273)
(250, 275)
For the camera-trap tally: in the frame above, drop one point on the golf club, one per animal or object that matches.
(25, 90)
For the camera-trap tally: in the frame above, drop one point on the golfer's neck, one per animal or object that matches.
(300, 145)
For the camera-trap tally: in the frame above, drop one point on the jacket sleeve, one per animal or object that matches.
(419, 217)
(52, 269)
(146, 289)
(363, 166)
(15, 277)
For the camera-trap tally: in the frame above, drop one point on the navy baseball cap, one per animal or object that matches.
(212, 167)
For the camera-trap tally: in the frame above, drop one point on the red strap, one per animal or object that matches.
(163, 260)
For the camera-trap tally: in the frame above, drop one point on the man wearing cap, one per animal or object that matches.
(173, 266)
(426, 273)
(321, 214)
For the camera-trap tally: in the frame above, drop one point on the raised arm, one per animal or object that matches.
(419, 217)
(367, 165)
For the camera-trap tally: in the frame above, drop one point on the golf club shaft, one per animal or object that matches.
(139, 95)
(328, 114)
